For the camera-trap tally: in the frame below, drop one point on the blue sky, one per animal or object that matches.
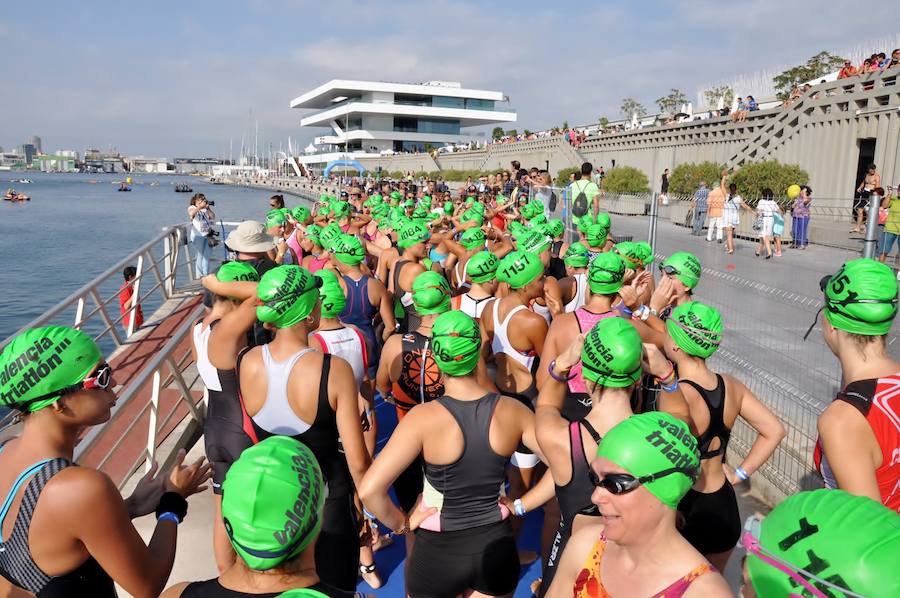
(180, 78)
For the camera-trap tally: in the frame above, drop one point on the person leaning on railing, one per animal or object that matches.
(66, 531)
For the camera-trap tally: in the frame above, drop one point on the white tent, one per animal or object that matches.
(310, 149)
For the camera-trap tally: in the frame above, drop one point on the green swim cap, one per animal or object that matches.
(472, 238)
(40, 364)
(313, 232)
(630, 253)
(528, 211)
(341, 209)
(533, 241)
(611, 355)
(288, 293)
(324, 197)
(696, 329)
(603, 220)
(501, 199)
(396, 195)
(538, 220)
(687, 267)
(861, 298)
(348, 249)
(300, 214)
(651, 443)
(237, 271)
(478, 207)
(596, 235)
(275, 218)
(431, 293)
(302, 593)
(448, 208)
(425, 201)
(329, 235)
(645, 252)
(272, 502)
(412, 233)
(555, 227)
(850, 541)
(577, 255)
(456, 342)
(420, 214)
(482, 267)
(470, 200)
(331, 294)
(605, 274)
(519, 269)
(584, 222)
(516, 228)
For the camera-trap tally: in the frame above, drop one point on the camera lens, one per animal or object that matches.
(211, 203)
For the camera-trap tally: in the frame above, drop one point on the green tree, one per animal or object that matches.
(512, 133)
(771, 174)
(562, 177)
(685, 178)
(631, 106)
(626, 179)
(818, 65)
(671, 103)
(429, 148)
(723, 92)
(565, 124)
(603, 122)
(527, 132)
(497, 133)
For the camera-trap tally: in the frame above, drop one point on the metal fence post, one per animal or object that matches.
(871, 242)
(654, 216)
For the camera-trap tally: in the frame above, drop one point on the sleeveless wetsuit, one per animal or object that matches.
(578, 399)
(411, 319)
(224, 438)
(712, 520)
(348, 344)
(337, 548)
(213, 589)
(557, 267)
(16, 562)
(360, 312)
(420, 381)
(574, 498)
(589, 584)
(877, 400)
(469, 543)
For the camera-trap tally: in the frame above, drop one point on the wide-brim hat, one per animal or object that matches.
(249, 237)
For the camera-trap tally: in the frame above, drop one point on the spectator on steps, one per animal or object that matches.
(848, 70)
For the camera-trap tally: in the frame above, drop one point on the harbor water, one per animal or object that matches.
(78, 225)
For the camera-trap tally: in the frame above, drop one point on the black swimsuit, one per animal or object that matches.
(712, 520)
(16, 563)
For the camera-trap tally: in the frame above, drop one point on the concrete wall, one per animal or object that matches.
(402, 162)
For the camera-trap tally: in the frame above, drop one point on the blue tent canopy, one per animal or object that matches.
(350, 163)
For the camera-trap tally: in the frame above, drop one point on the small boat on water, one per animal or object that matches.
(21, 181)
(13, 195)
(183, 188)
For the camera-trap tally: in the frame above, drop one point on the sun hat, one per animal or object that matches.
(40, 364)
(611, 355)
(456, 343)
(482, 267)
(687, 267)
(696, 328)
(431, 293)
(649, 444)
(273, 499)
(605, 274)
(861, 298)
(249, 237)
(288, 294)
(831, 539)
(519, 269)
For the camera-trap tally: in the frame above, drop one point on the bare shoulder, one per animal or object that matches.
(176, 590)
(711, 584)
(840, 417)
(79, 490)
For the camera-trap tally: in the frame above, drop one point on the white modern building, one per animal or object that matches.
(368, 117)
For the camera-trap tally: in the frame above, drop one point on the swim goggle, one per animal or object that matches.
(670, 270)
(623, 483)
(101, 378)
(834, 305)
(750, 542)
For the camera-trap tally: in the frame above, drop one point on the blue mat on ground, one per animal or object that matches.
(390, 560)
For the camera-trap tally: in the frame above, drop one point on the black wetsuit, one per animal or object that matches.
(16, 562)
(411, 319)
(712, 520)
(557, 267)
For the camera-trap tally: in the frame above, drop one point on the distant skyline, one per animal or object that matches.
(172, 79)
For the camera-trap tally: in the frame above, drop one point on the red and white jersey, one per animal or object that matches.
(349, 344)
(878, 400)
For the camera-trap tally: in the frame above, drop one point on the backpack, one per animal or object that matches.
(553, 201)
(580, 204)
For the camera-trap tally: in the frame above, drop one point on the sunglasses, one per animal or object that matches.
(101, 378)
(750, 542)
(623, 483)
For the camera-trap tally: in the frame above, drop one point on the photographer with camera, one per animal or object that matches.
(203, 235)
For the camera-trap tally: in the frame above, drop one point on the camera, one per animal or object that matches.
(212, 233)
(210, 203)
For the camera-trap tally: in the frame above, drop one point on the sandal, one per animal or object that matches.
(370, 575)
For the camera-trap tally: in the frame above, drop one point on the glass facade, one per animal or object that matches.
(445, 102)
(472, 104)
(412, 124)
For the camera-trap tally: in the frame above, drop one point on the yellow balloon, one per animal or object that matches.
(793, 191)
